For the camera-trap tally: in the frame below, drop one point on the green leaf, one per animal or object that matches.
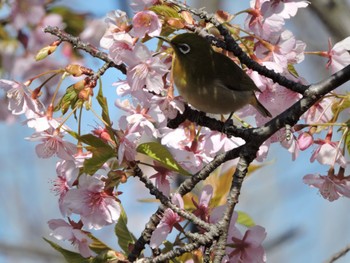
(165, 11)
(292, 70)
(97, 245)
(168, 246)
(100, 155)
(101, 152)
(68, 100)
(105, 112)
(160, 153)
(244, 219)
(125, 237)
(70, 256)
(109, 256)
(343, 104)
(103, 103)
(347, 138)
(92, 140)
(74, 134)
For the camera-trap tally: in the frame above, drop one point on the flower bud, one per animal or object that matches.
(176, 23)
(77, 70)
(85, 94)
(46, 51)
(80, 85)
(305, 140)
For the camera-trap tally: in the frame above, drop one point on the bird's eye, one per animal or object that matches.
(184, 48)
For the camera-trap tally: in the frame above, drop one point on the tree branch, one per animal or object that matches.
(191, 182)
(339, 254)
(146, 234)
(247, 152)
(166, 201)
(78, 44)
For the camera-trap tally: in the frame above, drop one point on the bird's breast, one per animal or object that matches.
(212, 96)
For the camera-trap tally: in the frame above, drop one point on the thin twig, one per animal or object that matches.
(146, 234)
(339, 254)
(192, 181)
(166, 201)
(78, 44)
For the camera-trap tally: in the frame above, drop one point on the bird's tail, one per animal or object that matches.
(263, 111)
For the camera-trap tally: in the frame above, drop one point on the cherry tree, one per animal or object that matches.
(159, 137)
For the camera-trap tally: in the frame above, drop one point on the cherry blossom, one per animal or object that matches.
(154, 108)
(263, 151)
(64, 231)
(247, 248)
(162, 177)
(95, 206)
(188, 150)
(42, 122)
(331, 187)
(139, 120)
(328, 153)
(151, 103)
(206, 211)
(67, 173)
(20, 100)
(291, 144)
(116, 38)
(283, 8)
(338, 55)
(141, 96)
(52, 143)
(257, 22)
(144, 70)
(305, 140)
(168, 106)
(216, 142)
(127, 145)
(321, 112)
(168, 221)
(202, 207)
(103, 134)
(276, 97)
(118, 45)
(283, 49)
(146, 22)
(117, 21)
(192, 150)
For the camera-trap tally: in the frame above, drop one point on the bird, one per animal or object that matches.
(208, 80)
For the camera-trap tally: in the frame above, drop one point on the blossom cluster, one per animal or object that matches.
(277, 49)
(74, 188)
(90, 170)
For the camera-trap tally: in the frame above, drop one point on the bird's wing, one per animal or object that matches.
(231, 74)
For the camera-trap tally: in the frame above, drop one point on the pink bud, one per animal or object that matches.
(305, 140)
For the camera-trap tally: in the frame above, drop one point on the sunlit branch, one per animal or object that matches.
(78, 44)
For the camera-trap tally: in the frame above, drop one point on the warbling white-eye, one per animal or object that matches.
(208, 80)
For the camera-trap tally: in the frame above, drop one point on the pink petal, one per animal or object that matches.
(159, 235)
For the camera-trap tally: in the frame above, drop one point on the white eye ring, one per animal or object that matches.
(184, 48)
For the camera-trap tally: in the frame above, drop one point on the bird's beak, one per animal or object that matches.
(164, 39)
